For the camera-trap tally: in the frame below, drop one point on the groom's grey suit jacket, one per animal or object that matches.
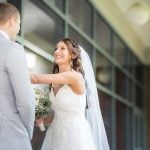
(17, 101)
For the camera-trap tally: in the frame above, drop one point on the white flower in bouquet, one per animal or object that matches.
(42, 106)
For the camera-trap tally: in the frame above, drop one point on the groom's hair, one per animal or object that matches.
(7, 11)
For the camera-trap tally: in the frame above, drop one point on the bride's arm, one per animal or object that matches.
(69, 77)
(72, 78)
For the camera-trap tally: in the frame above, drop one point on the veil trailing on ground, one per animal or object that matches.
(93, 113)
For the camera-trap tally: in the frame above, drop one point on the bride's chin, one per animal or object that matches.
(58, 62)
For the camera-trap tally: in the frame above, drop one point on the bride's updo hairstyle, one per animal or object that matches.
(75, 51)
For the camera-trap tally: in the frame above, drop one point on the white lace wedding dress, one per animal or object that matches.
(69, 129)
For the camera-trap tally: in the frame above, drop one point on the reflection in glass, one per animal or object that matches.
(39, 65)
(103, 70)
(103, 34)
(106, 108)
(77, 37)
(43, 29)
(31, 60)
(82, 15)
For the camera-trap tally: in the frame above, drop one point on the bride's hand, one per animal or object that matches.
(38, 121)
(48, 120)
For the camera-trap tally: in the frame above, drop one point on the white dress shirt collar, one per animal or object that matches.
(4, 34)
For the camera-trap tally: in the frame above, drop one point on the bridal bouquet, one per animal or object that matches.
(42, 106)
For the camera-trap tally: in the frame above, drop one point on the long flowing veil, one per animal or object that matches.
(93, 113)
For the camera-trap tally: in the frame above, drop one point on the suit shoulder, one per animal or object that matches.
(7, 47)
(15, 45)
(15, 50)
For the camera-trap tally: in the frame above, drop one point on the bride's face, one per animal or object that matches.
(62, 54)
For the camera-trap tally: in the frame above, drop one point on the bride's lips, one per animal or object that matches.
(58, 56)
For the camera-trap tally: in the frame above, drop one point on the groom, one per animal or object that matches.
(16, 98)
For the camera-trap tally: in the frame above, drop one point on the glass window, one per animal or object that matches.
(132, 63)
(76, 36)
(14, 2)
(141, 133)
(103, 70)
(80, 12)
(121, 84)
(139, 97)
(41, 26)
(128, 63)
(106, 108)
(129, 89)
(129, 128)
(38, 64)
(60, 4)
(119, 51)
(121, 128)
(139, 69)
(103, 34)
(138, 132)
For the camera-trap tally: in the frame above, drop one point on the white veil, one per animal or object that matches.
(93, 112)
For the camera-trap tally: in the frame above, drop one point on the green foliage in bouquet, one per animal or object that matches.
(43, 104)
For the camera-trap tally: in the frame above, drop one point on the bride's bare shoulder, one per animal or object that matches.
(77, 74)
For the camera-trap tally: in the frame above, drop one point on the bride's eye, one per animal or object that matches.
(55, 48)
(63, 48)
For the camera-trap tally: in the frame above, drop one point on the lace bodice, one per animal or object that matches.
(66, 100)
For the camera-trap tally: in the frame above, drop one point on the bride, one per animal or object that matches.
(71, 91)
